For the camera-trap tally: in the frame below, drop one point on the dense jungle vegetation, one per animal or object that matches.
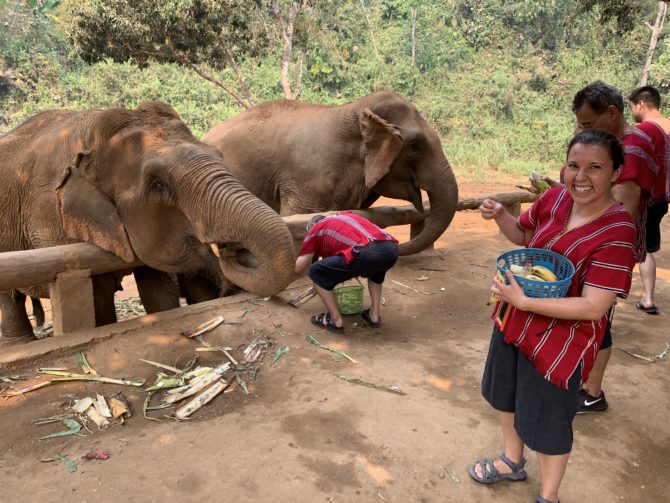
(494, 77)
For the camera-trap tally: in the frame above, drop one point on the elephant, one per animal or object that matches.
(138, 184)
(305, 158)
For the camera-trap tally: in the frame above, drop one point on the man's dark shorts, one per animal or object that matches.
(370, 261)
(543, 412)
(655, 214)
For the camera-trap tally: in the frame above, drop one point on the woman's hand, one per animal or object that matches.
(491, 209)
(512, 293)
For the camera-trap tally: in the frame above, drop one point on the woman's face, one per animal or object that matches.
(589, 174)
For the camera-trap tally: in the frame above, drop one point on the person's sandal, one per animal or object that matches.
(324, 320)
(540, 499)
(491, 475)
(365, 316)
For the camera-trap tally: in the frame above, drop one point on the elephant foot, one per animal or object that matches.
(16, 340)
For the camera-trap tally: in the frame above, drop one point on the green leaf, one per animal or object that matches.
(72, 428)
(71, 465)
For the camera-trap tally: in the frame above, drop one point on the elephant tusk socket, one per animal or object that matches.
(215, 249)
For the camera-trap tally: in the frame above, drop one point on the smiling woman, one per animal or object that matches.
(546, 347)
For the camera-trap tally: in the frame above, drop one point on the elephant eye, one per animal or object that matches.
(414, 147)
(158, 186)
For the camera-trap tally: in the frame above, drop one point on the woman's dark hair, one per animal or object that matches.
(606, 140)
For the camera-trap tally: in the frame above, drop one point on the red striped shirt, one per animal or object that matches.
(338, 234)
(602, 252)
(661, 144)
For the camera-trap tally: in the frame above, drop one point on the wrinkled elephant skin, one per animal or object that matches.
(137, 184)
(306, 158)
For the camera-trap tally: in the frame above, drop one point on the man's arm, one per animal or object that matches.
(302, 264)
(628, 194)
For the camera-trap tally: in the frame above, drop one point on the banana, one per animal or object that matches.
(537, 182)
(535, 278)
(494, 297)
(518, 269)
(543, 273)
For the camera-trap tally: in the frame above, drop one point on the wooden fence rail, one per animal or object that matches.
(68, 269)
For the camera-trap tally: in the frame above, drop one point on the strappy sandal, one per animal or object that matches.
(365, 316)
(491, 475)
(540, 499)
(324, 320)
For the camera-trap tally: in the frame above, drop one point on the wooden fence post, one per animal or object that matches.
(72, 301)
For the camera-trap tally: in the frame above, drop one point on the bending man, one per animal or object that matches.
(349, 246)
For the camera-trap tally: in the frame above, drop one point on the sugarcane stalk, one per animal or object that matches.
(204, 327)
(201, 384)
(202, 399)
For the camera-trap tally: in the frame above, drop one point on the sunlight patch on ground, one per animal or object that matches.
(116, 361)
(167, 439)
(439, 382)
(160, 340)
(378, 474)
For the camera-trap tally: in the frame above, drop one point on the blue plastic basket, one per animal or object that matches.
(555, 262)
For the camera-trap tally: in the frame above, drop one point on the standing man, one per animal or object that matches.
(600, 106)
(349, 246)
(645, 104)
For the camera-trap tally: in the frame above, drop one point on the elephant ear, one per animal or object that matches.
(88, 215)
(383, 142)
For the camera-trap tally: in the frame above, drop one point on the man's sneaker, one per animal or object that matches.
(588, 403)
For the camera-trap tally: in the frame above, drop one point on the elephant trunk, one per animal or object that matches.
(443, 196)
(225, 213)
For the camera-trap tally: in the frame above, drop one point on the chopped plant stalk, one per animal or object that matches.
(663, 353)
(44, 370)
(101, 406)
(52, 419)
(201, 384)
(71, 376)
(242, 384)
(145, 407)
(202, 399)
(280, 351)
(71, 465)
(413, 289)
(28, 389)
(171, 382)
(160, 406)
(390, 389)
(119, 407)
(649, 359)
(100, 420)
(220, 348)
(80, 406)
(453, 476)
(422, 278)
(72, 428)
(85, 366)
(160, 365)
(339, 352)
(202, 328)
(10, 379)
(198, 372)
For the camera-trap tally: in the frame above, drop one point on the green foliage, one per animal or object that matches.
(495, 77)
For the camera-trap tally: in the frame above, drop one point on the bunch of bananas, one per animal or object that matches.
(534, 272)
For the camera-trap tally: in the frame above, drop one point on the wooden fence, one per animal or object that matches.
(68, 269)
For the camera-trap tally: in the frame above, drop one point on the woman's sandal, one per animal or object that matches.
(365, 316)
(324, 320)
(491, 475)
(540, 499)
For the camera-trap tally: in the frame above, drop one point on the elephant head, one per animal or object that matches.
(403, 155)
(143, 187)
(306, 158)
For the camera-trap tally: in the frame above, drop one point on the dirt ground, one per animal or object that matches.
(304, 435)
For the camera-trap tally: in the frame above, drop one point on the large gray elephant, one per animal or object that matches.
(139, 185)
(305, 158)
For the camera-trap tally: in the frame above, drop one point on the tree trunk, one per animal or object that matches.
(287, 39)
(413, 10)
(655, 32)
(238, 73)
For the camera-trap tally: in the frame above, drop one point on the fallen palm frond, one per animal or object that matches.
(382, 387)
(650, 359)
(313, 340)
(203, 328)
(71, 465)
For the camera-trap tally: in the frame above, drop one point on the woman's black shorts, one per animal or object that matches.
(370, 261)
(655, 214)
(543, 412)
